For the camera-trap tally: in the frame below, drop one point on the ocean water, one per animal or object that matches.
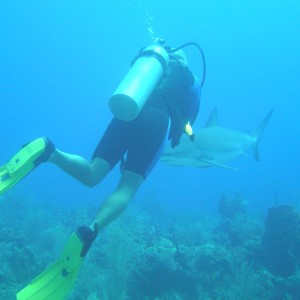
(61, 60)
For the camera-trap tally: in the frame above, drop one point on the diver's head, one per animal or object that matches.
(178, 57)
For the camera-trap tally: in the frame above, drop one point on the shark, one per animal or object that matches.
(214, 145)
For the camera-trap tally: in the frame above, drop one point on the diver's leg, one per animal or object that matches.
(143, 153)
(107, 154)
(117, 202)
(88, 173)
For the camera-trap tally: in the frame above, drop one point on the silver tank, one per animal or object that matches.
(138, 84)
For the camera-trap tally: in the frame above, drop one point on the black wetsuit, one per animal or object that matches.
(143, 138)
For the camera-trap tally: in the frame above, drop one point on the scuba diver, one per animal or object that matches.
(157, 101)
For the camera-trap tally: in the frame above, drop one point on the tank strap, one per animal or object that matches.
(153, 54)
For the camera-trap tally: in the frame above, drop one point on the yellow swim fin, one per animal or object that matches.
(56, 282)
(24, 161)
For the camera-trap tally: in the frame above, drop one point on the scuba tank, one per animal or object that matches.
(140, 81)
(146, 71)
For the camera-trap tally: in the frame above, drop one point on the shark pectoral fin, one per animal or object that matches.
(214, 163)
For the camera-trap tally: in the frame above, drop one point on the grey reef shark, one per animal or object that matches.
(215, 145)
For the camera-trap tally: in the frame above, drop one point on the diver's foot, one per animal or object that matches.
(24, 161)
(49, 149)
(87, 236)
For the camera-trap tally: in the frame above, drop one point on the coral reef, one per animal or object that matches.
(281, 240)
(233, 255)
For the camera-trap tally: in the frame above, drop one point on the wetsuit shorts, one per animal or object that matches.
(141, 140)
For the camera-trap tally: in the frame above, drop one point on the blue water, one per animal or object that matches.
(59, 63)
(61, 60)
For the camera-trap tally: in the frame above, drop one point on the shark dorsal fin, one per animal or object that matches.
(213, 119)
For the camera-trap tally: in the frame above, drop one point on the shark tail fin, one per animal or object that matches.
(257, 134)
